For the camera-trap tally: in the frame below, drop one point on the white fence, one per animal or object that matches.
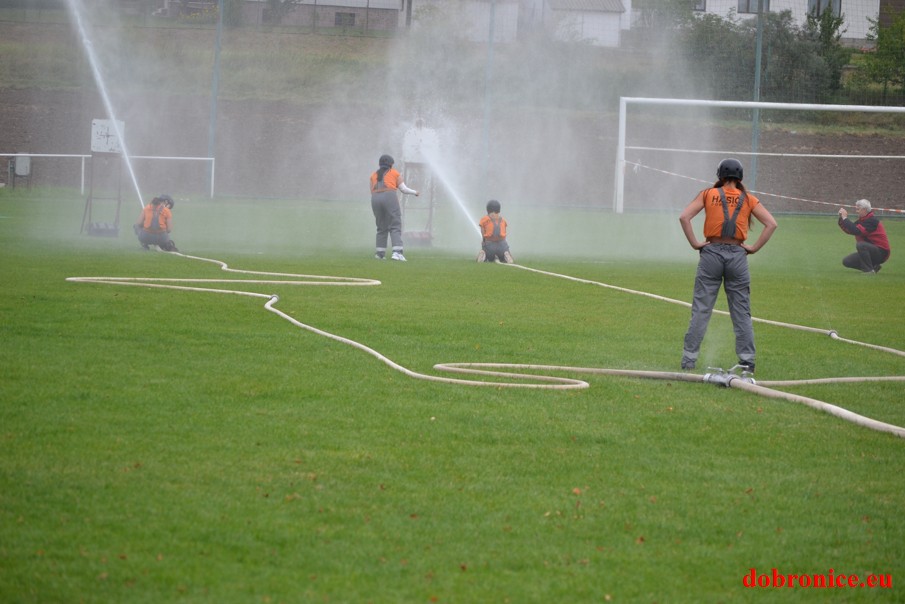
(83, 160)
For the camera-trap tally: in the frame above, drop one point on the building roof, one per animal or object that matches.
(384, 4)
(597, 6)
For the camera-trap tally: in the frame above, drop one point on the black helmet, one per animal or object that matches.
(493, 206)
(168, 201)
(730, 168)
(386, 161)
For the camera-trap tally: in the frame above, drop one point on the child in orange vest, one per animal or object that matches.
(155, 223)
(493, 231)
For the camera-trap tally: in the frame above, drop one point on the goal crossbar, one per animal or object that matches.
(624, 102)
(84, 158)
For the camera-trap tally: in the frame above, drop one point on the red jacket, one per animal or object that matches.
(868, 229)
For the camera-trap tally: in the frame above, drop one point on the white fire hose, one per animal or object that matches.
(517, 373)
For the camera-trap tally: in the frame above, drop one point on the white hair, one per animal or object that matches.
(863, 204)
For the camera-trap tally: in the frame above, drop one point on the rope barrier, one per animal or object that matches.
(638, 166)
(516, 373)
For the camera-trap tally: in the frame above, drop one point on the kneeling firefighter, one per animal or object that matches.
(155, 223)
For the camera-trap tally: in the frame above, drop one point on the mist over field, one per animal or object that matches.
(532, 123)
(346, 90)
(226, 425)
(525, 122)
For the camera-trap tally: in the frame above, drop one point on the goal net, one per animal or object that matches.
(801, 158)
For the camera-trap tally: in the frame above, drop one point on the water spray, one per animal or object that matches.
(76, 8)
(436, 167)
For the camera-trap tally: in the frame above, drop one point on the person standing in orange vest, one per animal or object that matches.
(724, 259)
(493, 230)
(385, 183)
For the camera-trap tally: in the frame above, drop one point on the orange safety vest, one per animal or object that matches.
(714, 215)
(390, 181)
(493, 229)
(156, 218)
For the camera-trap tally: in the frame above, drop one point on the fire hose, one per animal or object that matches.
(517, 373)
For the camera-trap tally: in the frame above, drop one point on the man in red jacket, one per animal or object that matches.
(871, 243)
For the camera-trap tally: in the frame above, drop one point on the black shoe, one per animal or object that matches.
(746, 366)
(687, 364)
(877, 268)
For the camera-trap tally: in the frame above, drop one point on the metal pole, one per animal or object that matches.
(618, 198)
(215, 88)
(755, 115)
(213, 168)
(488, 77)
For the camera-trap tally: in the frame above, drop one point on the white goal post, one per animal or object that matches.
(624, 102)
(85, 158)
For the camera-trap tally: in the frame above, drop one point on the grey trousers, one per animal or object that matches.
(725, 265)
(495, 250)
(161, 239)
(867, 258)
(388, 216)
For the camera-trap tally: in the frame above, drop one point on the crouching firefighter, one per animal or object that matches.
(493, 236)
(155, 223)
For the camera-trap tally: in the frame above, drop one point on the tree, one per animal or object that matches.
(886, 64)
(825, 29)
(798, 64)
(794, 68)
(657, 15)
(719, 56)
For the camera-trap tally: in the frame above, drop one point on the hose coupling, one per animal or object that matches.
(743, 375)
(716, 375)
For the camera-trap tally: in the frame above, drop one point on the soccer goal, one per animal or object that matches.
(677, 143)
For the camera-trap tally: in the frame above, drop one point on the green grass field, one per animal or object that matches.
(162, 446)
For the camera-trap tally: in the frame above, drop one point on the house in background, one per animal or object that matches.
(596, 21)
(599, 22)
(856, 12)
(368, 15)
(604, 22)
(472, 17)
(889, 10)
